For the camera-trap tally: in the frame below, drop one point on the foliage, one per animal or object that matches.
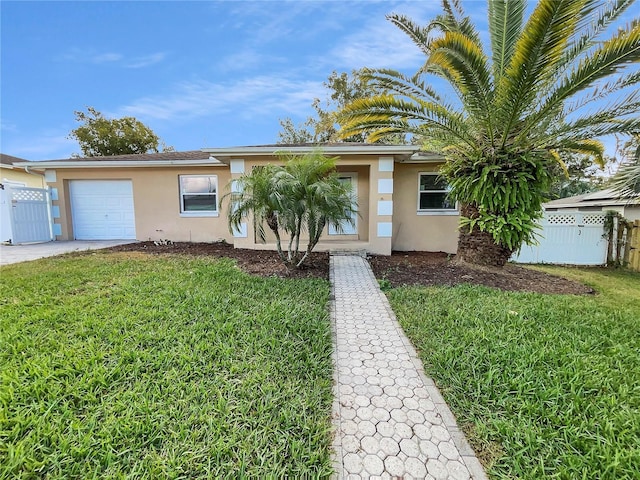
(298, 198)
(575, 175)
(101, 137)
(323, 127)
(544, 386)
(627, 178)
(551, 83)
(128, 366)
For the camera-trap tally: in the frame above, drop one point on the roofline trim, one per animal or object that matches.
(270, 150)
(210, 162)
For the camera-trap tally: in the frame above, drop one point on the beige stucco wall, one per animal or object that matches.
(366, 168)
(156, 202)
(157, 206)
(20, 176)
(414, 231)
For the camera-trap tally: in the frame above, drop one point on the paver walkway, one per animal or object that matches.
(390, 419)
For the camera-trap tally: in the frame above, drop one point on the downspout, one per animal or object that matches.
(26, 169)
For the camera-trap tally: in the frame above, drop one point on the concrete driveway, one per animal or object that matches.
(23, 253)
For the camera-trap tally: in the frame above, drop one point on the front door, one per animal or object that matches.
(348, 229)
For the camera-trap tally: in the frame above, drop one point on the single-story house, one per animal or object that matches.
(600, 201)
(18, 176)
(403, 204)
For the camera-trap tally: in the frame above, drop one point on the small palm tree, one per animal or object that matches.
(542, 90)
(301, 197)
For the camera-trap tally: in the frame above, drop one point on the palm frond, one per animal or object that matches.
(606, 13)
(591, 148)
(418, 34)
(467, 65)
(505, 26)
(389, 81)
(614, 55)
(537, 51)
(371, 114)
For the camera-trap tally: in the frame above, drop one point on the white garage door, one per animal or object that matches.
(102, 209)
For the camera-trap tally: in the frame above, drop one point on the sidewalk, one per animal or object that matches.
(390, 419)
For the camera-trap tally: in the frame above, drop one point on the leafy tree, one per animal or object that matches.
(627, 178)
(549, 84)
(575, 175)
(101, 137)
(300, 197)
(323, 127)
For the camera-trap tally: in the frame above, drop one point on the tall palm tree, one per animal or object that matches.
(550, 84)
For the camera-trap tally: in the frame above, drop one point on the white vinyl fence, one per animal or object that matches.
(26, 215)
(572, 238)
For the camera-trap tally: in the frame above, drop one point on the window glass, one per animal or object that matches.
(434, 193)
(198, 193)
(199, 184)
(432, 182)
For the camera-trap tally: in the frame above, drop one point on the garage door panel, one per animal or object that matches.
(102, 209)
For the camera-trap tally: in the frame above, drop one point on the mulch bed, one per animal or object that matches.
(401, 268)
(264, 263)
(438, 268)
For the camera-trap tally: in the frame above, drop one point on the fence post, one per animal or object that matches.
(634, 250)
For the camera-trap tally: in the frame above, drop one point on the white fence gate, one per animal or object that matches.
(572, 238)
(26, 215)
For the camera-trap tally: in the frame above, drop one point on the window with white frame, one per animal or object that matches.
(198, 194)
(433, 194)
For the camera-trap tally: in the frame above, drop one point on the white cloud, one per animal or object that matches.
(263, 95)
(45, 145)
(89, 55)
(380, 44)
(106, 58)
(147, 60)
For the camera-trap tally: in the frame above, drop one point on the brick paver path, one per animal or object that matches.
(390, 419)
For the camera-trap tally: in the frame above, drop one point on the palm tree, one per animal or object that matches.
(626, 181)
(549, 85)
(300, 197)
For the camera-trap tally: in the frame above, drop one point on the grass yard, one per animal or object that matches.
(545, 386)
(124, 365)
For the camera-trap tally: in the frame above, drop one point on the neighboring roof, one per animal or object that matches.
(601, 198)
(191, 157)
(9, 161)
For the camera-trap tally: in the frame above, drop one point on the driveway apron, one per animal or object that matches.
(23, 253)
(390, 420)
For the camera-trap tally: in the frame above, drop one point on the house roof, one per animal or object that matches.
(601, 198)
(402, 153)
(222, 156)
(9, 161)
(187, 158)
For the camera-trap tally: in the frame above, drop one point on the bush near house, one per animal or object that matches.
(123, 365)
(545, 386)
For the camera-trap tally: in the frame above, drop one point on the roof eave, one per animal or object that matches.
(238, 152)
(210, 162)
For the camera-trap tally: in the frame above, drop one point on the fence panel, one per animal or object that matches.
(573, 238)
(30, 215)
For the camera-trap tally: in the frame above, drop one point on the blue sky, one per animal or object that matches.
(200, 74)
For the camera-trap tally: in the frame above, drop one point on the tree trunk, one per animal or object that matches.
(478, 247)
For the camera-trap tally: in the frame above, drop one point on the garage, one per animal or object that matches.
(102, 209)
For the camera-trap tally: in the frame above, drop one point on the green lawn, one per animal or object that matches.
(124, 365)
(546, 386)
